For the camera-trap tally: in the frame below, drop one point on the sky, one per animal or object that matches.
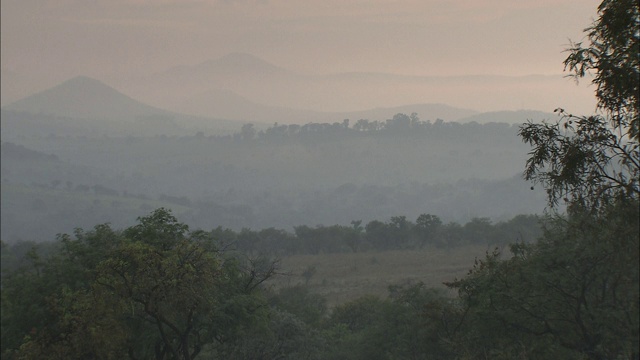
(53, 40)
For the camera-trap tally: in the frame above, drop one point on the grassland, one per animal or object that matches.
(344, 277)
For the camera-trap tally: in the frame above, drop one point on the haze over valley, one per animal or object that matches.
(67, 154)
(185, 139)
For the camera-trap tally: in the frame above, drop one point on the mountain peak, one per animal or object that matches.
(85, 81)
(84, 87)
(83, 97)
(241, 57)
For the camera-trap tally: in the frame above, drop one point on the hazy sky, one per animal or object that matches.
(113, 38)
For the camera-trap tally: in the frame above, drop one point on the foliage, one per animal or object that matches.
(285, 337)
(395, 234)
(394, 328)
(573, 294)
(581, 158)
(154, 290)
(298, 300)
(613, 53)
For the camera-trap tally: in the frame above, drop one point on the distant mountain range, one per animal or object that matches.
(218, 95)
(228, 105)
(242, 86)
(519, 116)
(86, 98)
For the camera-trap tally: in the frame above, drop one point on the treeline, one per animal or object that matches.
(398, 233)
(399, 125)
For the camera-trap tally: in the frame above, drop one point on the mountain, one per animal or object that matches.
(85, 98)
(430, 112)
(251, 83)
(230, 64)
(15, 86)
(229, 105)
(10, 151)
(83, 106)
(239, 73)
(510, 117)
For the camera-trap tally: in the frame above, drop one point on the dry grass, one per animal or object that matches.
(344, 277)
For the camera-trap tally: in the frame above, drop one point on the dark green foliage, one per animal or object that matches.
(354, 329)
(285, 337)
(427, 228)
(154, 290)
(160, 290)
(394, 328)
(324, 239)
(573, 294)
(24, 295)
(299, 301)
(397, 233)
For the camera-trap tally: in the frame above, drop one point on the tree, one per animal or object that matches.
(248, 132)
(285, 337)
(361, 125)
(427, 226)
(573, 294)
(581, 159)
(355, 329)
(154, 290)
(353, 236)
(400, 229)
(394, 328)
(300, 301)
(399, 122)
(479, 230)
(613, 52)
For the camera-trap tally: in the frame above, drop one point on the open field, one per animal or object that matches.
(344, 277)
